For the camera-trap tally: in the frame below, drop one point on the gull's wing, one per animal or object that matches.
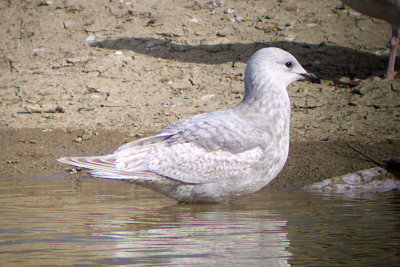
(199, 149)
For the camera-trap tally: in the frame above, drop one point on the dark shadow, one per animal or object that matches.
(328, 61)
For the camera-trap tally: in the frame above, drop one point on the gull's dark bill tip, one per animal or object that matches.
(311, 77)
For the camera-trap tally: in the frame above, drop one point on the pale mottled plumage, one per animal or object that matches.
(388, 10)
(218, 156)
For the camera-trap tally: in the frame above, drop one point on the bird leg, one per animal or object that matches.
(390, 73)
(394, 42)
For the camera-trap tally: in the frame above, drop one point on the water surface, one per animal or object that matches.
(84, 222)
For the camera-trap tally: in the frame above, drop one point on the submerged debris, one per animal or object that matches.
(374, 180)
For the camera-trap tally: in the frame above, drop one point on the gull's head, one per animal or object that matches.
(275, 69)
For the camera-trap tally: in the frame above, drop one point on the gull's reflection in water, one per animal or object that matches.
(197, 234)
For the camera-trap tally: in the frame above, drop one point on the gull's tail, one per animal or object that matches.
(104, 167)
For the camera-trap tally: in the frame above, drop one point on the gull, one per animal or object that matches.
(218, 156)
(388, 10)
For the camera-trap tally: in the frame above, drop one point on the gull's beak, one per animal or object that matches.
(310, 77)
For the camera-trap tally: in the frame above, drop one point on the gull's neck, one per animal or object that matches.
(266, 103)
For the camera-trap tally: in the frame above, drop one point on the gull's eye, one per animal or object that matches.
(289, 64)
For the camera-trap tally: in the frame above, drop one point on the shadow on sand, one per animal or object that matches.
(328, 61)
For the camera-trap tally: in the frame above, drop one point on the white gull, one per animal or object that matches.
(218, 156)
(388, 10)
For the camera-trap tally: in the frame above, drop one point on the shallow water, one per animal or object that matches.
(98, 222)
